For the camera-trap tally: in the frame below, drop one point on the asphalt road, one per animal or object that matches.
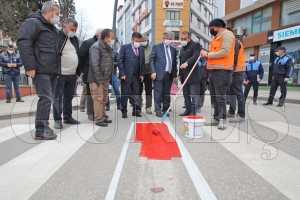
(258, 159)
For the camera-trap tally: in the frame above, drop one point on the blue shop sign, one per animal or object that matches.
(287, 33)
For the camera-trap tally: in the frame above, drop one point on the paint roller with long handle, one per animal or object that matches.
(166, 113)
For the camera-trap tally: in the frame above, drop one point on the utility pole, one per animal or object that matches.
(114, 28)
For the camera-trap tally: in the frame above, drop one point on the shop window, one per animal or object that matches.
(261, 20)
(175, 35)
(290, 12)
(172, 15)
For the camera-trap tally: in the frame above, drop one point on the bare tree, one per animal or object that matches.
(84, 26)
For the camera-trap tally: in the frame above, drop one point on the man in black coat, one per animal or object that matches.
(84, 68)
(189, 54)
(39, 50)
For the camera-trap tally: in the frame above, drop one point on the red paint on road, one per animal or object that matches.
(156, 147)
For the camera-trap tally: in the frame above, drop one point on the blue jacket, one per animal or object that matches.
(202, 66)
(282, 65)
(6, 58)
(252, 69)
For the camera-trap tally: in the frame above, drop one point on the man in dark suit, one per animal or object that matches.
(84, 68)
(131, 73)
(163, 72)
(189, 54)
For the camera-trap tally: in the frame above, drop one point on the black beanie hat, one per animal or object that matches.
(217, 22)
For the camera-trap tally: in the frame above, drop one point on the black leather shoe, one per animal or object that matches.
(8, 100)
(107, 108)
(124, 115)
(186, 113)
(119, 108)
(46, 135)
(254, 103)
(168, 115)
(183, 107)
(20, 100)
(279, 105)
(102, 123)
(159, 114)
(138, 114)
(108, 121)
(70, 120)
(268, 103)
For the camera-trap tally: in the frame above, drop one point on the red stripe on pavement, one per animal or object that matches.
(156, 147)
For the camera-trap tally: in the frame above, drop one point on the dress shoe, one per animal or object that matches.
(8, 100)
(102, 124)
(183, 106)
(108, 121)
(46, 135)
(268, 103)
(91, 117)
(159, 114)
(186, 113)
(70, 120)
(254, 103)
(58, 124)
(82, 109)
(148, 111)
(198, 110)
(119, 108)
(212, 122)
(229, 115)
(279, 105)
(124, 115)
(107, 108)
(19, 100)
(137, 114)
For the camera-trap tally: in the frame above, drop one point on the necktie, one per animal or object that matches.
(136, 52)
(169, 60)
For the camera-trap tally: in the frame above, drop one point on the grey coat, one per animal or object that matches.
(101, 63)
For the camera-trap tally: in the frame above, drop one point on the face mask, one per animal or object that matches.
(167, 42)
(213, 32)
(143, 44)
(136, 44)
(54, 19)
(71, 34)
(251, 57)
(10, 52)
(183, 43)
(111, 43)
(277, 54)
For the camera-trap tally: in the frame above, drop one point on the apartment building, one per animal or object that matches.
(265, 25)
(153, 17)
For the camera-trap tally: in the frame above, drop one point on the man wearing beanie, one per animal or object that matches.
(220, 63)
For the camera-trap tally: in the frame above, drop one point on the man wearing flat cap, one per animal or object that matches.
(281, 75)
(220, 63)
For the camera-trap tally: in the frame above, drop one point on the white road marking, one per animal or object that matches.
(280, 170)
(14, 130)
(25, 174)
(116, 177)
(200, 183)
(284, 128)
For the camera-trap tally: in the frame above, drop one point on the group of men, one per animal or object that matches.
(53, 59)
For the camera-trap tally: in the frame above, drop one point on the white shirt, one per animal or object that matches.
(167, 63)
(69, 59)
(137, 49)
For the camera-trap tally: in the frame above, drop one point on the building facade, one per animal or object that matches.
(153, 17)
(265, 25)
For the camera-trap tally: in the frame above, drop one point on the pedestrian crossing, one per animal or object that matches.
(22, 176)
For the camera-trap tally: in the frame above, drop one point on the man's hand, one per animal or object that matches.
(123, 78)
(246, 82)
(184, 65)
(179, 78)
(31, 73)
(142, 78)
(153, 76)
(9, 65)
(14, 65)
(174, 79)
(259, 80)
(286, 79)
(204, 53)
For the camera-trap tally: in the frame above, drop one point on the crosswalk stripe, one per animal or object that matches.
(13, 131)
(280, 170)
(25, 174)
(284, 128)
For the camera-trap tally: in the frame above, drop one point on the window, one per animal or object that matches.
(261, 20)
(199, 24)
(176, 35)
(147, 21)
(172, 15)
(199, 5)
(133, 2)
(133, 17)
(191, 17)
(205, 12)
(205, 27)
(290, 12)
(146, 3)
(140, 10)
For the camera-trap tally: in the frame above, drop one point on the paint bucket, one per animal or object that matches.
(193, 126)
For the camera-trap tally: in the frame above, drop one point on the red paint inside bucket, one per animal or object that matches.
(156, 147)
(194, 117)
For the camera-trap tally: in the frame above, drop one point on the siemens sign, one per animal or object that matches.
(286, 33)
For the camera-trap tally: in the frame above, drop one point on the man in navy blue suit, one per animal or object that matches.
(163, 72)
(131, 73)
